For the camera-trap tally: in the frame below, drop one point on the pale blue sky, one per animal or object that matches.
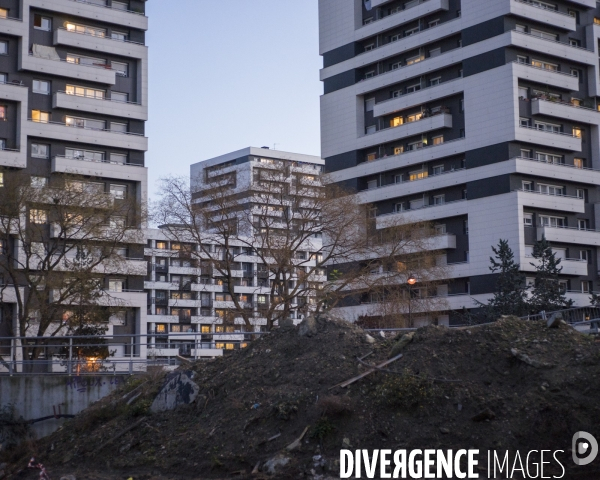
(228, 74)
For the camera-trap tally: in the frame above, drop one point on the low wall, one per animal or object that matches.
(37, 396)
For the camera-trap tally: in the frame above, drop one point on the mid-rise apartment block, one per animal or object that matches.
(478, 116)
(190, 304)
(73, 103)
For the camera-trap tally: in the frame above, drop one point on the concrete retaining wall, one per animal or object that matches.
(35, 396)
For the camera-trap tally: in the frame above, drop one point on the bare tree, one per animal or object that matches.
(59, 241)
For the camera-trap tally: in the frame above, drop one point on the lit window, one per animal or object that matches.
(1, 179)
(39, 116)
(37, 216)
(161, 245)
(161, 328)
(93, 31)
(577, 132)
(116, 285)
(438, 140)
(578, 162)
(395, 122)
(2, 112)
(42, 23)
(85, 92)
(398, 150)
(3, 13)
(40, 151)
(41, 86)
(3, 48)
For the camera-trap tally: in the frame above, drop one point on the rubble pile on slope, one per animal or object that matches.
(271, 409)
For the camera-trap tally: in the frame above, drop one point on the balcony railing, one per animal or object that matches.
(83, 159)
(100, 36)
(87, 128)
(410, 151)
(99, 66)
(423, 207)
(542, 7)
(537, 192)
(562, 102)
(549, 131)
(433, 175)
(557, 164)
(568, 74)
(554, 41)
(420, 90)
(96, 98)
(96, 4)
(395, 13)
(424, 116)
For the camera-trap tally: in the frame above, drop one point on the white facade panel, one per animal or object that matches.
(103, 107)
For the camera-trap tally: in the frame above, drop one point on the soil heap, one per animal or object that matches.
(512, 385)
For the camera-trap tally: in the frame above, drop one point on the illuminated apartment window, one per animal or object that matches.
(85, 92)
(414, 118)
(438, 140)
(86, 30)
(161, 328)
(39, 116)
(371, 157)
(38, 216)
(395, 122)
(1, 179)
(417, 175)
(398, 150)
(578, 162)
(3, 13)
(596, 21)
(577, 132)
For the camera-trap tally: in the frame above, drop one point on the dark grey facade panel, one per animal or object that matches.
(485, 61)
(341, 161)
(483, 31)
(489, 187)
(341, 80)
(487, 155)
(340, 54)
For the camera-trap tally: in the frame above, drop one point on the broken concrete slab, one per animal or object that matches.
(179, 389)
(308, 327)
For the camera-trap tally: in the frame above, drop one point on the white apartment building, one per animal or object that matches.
(479, 116)
(74, 101)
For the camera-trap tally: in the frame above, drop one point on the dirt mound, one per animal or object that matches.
(512, 385)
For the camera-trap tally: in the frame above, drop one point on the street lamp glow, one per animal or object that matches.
(411, 280)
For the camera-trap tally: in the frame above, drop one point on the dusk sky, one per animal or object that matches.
(243, 74)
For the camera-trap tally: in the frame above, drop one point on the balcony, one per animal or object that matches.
(101, 13)
(553, 48)
(106, 169)
(62, 68)
(565, 111)
(569, 235)
(525, 9)
(569, 266)
(424, 214)
(423, 96)
(561, 203)
(564, 141)
(428, 124)
(544, 76)
(404, 16)
(105, 45)
(558, 171)
(13, 26)
(106, 138)
(104, 106)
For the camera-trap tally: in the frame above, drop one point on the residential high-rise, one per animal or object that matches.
(479, 116)
(197, 272)
(73, 103)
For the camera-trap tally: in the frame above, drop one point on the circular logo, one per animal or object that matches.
(585, 448)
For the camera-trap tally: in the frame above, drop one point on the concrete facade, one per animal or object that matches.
(490, 106)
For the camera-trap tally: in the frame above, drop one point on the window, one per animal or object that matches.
(118, 191)
(85, 123)
(411, 31)
(577, 132)
(544, 35)
(370, 74)
(89, 61)
(545, 65)
(521, 28)
(85, 92)
(439, 199)
(438, 140)
(547, 127)
(525, 153)
(38, 216)
(521, 59)
(119, 36)
(440, 229)
(396, 122)
(117, 222)
(415, 59)
(369, 104)
(86, 30)
(369, 47)
(438, 170)
(39, 116)
(574, 42)
(122, 69)
(527, 186)
(38, 182)
(528, 219)
(461, 105)
(118, 158)
(398, 150)
(554, 222)
(371, 129)
(586, 286)
(371, 157)
(576, 102)
(3, 48)
(575, 72)
(435, 52)
(413, 88)
(3, 13)
(434, 23)
(116, 285)
(523, 92)
(120, 5)
(596, 21)
(583, 255)
(119, 97)
(88, 155)
(550, 189)
(418, 175)
(399, 207)
(42, 23)
(396, 66)
(578, 162)
(3, 78)
(530, 282)
(1, 179)
(161, 245)
(414, 118)
(435, 81)
(415, 145)
(41, 86)
(549, 158)
(366, 21)
(396, 94)
(581, 193)
(371, 184)
(582, 224)
(118, 127)
(395, 38)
